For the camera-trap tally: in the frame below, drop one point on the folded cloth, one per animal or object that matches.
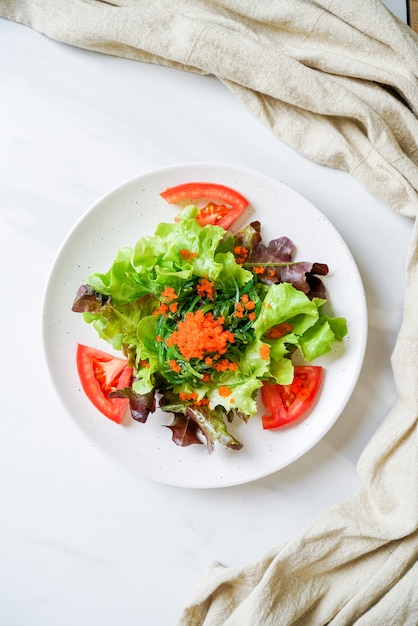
(338, 82)
(335, 80)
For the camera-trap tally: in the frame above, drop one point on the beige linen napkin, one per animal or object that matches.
(336, 80)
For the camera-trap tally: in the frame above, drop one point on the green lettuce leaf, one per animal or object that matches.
(311, 332)
(242, 397)
(284, 303)
(320, 337)
(118, 324)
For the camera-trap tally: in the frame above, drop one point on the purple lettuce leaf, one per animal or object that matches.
(184, 431)
(277, 258)
(89, 300)
(140, 405)
(210, 423)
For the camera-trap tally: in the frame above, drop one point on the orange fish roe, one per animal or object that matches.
(159, 339)
(144, 363)
(206, 378)
(239, 310)
(259, 269)
(252, 316)
(174, 365)
(167, 305)
(188, 396)
(278, 331)
(162, 309)
(205, 288)
(241, 254)
(224, 365)
(265, 352)
(224, 391)
(199, 333)
(245, 305)
(187, 255)
(168, 294)
(193, 397)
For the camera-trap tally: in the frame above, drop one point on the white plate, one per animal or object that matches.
(133, 210)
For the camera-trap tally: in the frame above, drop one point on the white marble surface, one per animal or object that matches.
(81, 540)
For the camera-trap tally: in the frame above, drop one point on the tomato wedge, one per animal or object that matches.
(221, 215)
(212, 214)
(100, 373)
(287, 403)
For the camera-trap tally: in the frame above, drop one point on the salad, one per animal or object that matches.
(207, 321)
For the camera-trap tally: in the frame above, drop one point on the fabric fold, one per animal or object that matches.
(335, 81)
(338, 82)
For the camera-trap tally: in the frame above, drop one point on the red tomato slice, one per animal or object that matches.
(209, 191)
(287, 403)
(100, 373)
(212, 214)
